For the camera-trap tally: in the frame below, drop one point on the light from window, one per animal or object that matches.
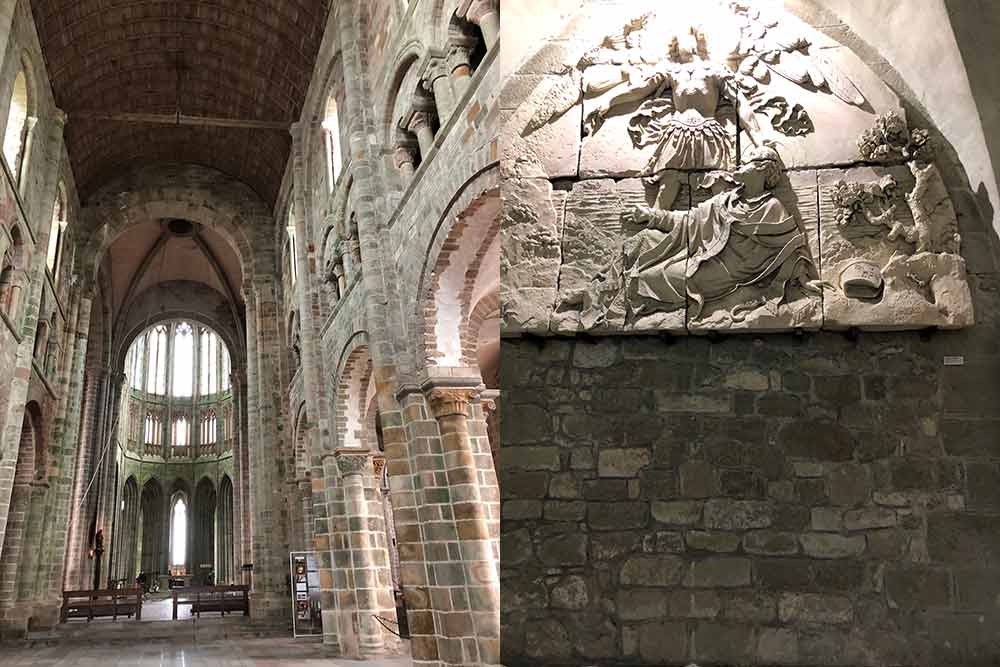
(178, 532)
(183, 380)
(135, 375)
(331, 127)
(156, 371)
(181, 432)
(209, 362)
(13, 140)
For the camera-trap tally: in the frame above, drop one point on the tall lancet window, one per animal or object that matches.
(156, 360)
(183, 379)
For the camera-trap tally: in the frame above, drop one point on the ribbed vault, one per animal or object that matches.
(210, 82)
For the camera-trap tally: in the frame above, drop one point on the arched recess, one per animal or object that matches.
(11, 554)
(203, 547)
(152, 528)
(225, 550)
(354, 380)
(301, 500)
(461, 268)
(127, 562)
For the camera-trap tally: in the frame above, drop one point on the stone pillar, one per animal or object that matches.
(459, 57)
(486, 14)
(305, 499)
(438, 83)
(404, 159)
(477, 531)
(269, 534)
(363, 547)
(420, 125)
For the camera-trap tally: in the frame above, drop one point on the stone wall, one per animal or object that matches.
(778, 500)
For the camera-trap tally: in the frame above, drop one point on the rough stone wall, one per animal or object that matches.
(786, 501)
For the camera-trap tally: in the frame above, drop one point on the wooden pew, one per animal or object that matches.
(113, 602)
(206, 599)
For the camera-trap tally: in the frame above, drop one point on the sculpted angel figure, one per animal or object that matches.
(683, 95)
(690, 97)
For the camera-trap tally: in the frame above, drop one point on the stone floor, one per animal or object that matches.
(245, 652)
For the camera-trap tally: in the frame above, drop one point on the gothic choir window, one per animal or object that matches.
(179, 373)
(156, 358)
(183, 379)
(331, 134)
(209, 380)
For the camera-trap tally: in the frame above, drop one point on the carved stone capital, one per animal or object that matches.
(419, 121)
(378, 464)
(353, 461)
(450, 401)
(59, 117)
(459, 55)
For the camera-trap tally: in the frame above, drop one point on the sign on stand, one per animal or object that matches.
(306, 621)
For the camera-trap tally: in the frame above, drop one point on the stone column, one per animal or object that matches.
(477, 531)
(404, 159)
(486, 14)
(270, 541)
(363, 549)
(420, 125)
(438, 83)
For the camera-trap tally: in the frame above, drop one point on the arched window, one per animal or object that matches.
(331, 134)
(56, 232)
(183, 376)
(156, 369)
(181, 435)
(178, 532)
(17, 127)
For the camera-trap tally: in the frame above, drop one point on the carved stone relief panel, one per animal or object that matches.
(696, 171)
(877, 277)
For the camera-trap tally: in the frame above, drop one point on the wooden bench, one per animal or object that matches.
(108, 602)
(207, 599)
